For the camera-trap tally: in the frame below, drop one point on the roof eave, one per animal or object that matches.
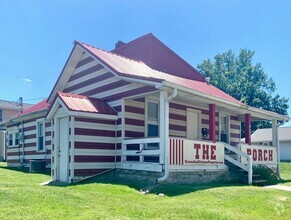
(248, 109)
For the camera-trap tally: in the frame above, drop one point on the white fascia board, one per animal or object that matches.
(66, 72)
(93, 115)
(245, 108)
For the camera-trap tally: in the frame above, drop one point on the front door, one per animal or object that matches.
(64, 149)
(192, 124)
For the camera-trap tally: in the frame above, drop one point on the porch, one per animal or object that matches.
(186, 155)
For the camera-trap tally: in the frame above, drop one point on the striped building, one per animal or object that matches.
(109, 110)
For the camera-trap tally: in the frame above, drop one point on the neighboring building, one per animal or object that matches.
(264, 137)
(8, 110)
(107, 111)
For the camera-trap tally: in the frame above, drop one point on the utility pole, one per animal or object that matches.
(21, 104)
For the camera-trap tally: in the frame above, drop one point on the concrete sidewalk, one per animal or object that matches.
(286, 188)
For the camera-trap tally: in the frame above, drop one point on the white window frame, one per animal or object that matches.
(223, 114)
(38, 136)
(13, 135)
(147, 121)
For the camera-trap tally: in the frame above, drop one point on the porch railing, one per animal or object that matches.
(142, 149)
(237, 162)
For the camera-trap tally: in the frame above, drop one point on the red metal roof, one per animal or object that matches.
(37, 107)
(137, 69)
(85, 104)
(158, 56)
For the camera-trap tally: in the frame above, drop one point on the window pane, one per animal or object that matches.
(40, 129)
(153, 111)
(40, 143)
(10, 139)
(16, 139)
(153, 130)
(0, 114)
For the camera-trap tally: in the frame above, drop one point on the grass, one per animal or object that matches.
(22, 197)
(286, 173)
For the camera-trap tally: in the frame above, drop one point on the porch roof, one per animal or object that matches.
(85, 104)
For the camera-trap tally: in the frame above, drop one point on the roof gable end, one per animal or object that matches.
(157, 55)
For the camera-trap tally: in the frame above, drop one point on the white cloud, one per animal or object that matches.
(26, 80)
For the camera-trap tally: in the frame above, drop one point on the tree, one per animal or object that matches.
(245, 81)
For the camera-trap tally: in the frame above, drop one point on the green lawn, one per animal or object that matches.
(286, 173)
(22, 197)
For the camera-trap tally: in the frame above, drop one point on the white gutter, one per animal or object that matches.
(166, 115)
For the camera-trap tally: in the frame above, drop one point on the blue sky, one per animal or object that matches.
(37, 36)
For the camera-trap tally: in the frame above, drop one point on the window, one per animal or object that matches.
(40, 136)
(1, 118)
(10, 139)
(13, 138)
(152, 123)
(16, 138)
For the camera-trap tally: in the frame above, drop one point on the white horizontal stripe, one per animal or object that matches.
(84, 67)
(177, 133)
(134, 128)
(134, 116)
(95, 85)
(87, 77)
(94, 165)
(89, 125)
(84, 56)
(118, 90)
(31, 157)
(94, 152)
(177, 122)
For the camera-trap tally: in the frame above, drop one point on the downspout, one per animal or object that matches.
(22, 140)
(166, 115)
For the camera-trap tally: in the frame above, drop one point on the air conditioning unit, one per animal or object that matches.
(37, 166)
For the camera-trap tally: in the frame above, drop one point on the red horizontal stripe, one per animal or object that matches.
(86, 72)
(105, 88)
(30, 128)
(134, 134)
(99, 121)
(233, 135)
(237, 127)
(101, 146)
(29, 153)
(88, 172)
(235, 118)
(177, 127)
(96, 159)
(94, 132)
(89, 82)
(133, 109)
(84, 61)
(136, 122)
(177, 117)
(48, 161)
(29, 136)
(128, 93)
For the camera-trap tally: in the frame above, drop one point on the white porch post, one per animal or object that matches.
(275, 140)
(163, 125)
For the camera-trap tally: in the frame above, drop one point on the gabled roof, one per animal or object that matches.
(265, 134)
(158, 56)
(43, 105)
(82, 103)
(126, 67)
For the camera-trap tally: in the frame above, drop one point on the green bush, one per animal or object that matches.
(267, 174)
